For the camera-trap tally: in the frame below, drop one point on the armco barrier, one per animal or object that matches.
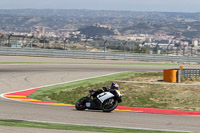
(190, 73)
(96, 55)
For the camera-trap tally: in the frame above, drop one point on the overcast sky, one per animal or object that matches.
(132, 5)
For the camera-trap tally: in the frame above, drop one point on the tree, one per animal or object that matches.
(139, 49)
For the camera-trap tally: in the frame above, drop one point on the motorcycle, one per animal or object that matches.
(107, 100)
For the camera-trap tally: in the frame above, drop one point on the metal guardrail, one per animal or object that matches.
(96, 55)
(190, 73)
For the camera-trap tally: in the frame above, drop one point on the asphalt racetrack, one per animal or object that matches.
(20, 77)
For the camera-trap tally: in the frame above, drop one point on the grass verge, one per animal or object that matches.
(152, 92)
(87, 63)
(45, 92)
(28, 124)
(142, 92)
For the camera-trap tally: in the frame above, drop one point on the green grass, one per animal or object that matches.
(162, 96)
(87, 63)
(28, 124)
(45, 92)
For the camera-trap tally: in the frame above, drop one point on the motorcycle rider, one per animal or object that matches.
(112, 87)
(96, 103)
(115, 86)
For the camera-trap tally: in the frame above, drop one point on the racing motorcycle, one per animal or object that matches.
(106, 99)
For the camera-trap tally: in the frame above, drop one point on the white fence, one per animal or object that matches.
(96, 55)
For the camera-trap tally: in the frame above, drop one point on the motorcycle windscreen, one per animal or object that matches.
(104, 96)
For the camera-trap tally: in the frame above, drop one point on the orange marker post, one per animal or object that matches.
(181, 67)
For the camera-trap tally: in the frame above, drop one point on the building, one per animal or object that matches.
(38, 31)
(195, 43)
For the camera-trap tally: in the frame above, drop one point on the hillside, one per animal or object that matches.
(22, 20)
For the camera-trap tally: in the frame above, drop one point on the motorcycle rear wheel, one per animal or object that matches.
(109, 105)
(81, 104)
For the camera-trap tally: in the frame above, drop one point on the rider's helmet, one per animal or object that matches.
(114, 86)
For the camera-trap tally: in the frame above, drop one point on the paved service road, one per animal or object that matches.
(19, 77)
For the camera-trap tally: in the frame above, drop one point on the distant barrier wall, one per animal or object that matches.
(96, 55)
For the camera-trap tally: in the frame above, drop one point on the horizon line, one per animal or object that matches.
(95, 10)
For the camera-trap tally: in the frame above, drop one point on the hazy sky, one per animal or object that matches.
(132, 5)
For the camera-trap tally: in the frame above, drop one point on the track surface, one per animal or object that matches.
(19, 77)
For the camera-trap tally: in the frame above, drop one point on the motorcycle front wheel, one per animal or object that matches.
(81, 104)
(109, 105)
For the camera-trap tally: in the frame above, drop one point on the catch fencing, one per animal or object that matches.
(190, 73)
(97, 55)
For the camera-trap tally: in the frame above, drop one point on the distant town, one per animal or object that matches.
(140, 32)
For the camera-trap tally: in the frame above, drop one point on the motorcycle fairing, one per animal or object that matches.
(104, 96)
(118, 92)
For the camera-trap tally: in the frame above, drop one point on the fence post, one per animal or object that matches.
(179, 76)
(180, 73)
(199, 72)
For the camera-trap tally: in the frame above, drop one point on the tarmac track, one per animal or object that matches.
(19, 77)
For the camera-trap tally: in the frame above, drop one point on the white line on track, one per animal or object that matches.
(2, 95)
(102, 126)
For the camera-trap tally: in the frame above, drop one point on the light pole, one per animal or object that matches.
(150, 48)
(1, 37)
(85, 44)
(177, 48)
(23, 37)
(168, 47)
(184, 49)
(192, 46)
(8, 41)
(65, 41)
(142, 46)
(157, 47)
(44, 39)
(105, 45)
(31, 42)
(124, 44)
